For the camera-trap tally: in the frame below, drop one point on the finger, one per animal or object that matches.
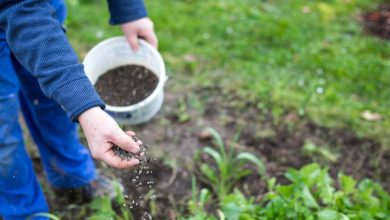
(130, 133)
(133, 41)
(125, 142)
(111, 159)
(151, 38)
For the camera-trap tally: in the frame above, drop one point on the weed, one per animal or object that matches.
(182, 111)
(322, 151)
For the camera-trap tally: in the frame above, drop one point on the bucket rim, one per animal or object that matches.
(161, 79)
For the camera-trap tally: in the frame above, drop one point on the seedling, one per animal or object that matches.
(102, 208)
(199, 199)
(313, 150)
(229, 166)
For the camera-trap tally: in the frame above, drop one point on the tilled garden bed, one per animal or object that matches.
(174, 141)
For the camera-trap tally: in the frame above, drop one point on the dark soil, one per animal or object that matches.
(159, 185)
(378, 22)
(126, 85)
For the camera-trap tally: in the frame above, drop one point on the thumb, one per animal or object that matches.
(125, 142)
(133, 41)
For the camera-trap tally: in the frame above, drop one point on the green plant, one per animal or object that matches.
(197, 203)
(236, 206)
(312, 195)
(182, 111)
(229, 166)
(125, 212)
(322, 151)
(102, 208)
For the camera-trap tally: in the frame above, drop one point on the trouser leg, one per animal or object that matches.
(67, 162)
(20, 192)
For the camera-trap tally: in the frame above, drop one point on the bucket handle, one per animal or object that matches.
(166, 79)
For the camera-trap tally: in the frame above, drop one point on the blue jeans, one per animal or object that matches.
(66, 161)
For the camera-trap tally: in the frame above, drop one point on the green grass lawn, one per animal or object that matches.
(312, 57)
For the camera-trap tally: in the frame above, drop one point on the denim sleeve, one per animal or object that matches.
(37, 41)
(123, 11)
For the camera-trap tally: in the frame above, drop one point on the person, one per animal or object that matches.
(41, 76)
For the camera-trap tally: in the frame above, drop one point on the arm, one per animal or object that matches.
(36, 39)
(132, 16)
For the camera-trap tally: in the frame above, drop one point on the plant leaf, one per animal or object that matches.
(252, 158)
(219, 140)
(209, 173)
(221, 215)
(328, 214)
(347, 183)
(308, 198)
(214, 154)
(204, 196)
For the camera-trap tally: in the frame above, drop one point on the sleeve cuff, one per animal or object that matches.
(123, 11)
(77, 96)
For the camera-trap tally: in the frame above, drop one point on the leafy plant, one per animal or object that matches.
(236, 206)
(125, 212)
(197, 203)
(102, 208)
(229, 166)
(312, 195)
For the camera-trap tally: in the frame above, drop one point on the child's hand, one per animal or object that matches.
(141, 28)
(102, 132)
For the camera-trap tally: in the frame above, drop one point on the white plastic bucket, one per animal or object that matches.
(115, 52)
